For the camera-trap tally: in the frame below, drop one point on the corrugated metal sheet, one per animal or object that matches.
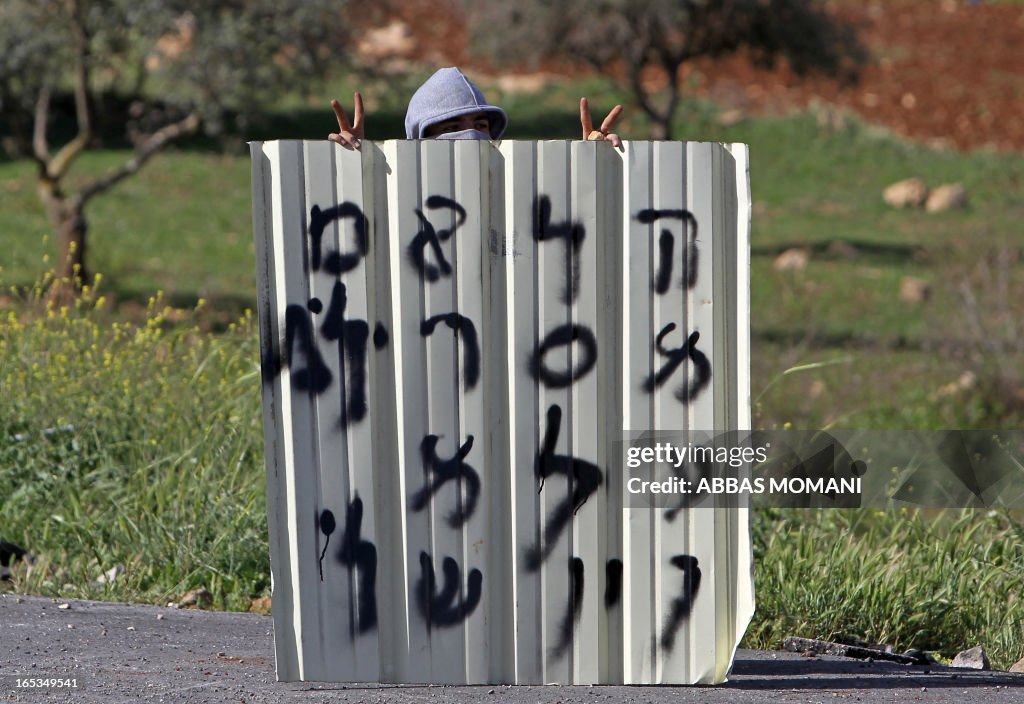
(453, 335)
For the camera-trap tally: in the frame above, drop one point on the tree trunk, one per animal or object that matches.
(71, 231)
(661, 127)
(67, 216)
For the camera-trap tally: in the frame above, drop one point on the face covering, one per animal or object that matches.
(464, 134)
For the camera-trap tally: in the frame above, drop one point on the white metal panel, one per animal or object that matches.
(523, 410)
(513, 296)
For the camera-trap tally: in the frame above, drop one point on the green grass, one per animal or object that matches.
(168, 430)
(183, 225)
(939, 583)
(132, 445)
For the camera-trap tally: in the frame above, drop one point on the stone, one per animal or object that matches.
(109, 576)
(196, 599)
(966, 382)
(792, 260)
(948, 196)
(972, 659)
(1017, 666)
(908, 193)
(914, 290)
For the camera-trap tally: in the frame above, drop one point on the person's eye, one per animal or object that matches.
(482, 124)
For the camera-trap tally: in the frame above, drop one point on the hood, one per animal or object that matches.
(447, 94)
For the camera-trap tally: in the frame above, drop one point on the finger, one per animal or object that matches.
(343, 125)
(345, 139)
(615, 141)
(588, 126)
(357, 119)
(612, 117)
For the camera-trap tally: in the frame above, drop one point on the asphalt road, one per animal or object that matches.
(131, 653)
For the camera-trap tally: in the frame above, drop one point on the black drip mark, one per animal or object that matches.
(464, 329)
(572, 232)
(314, 377)
(326, 525)
(573, 609)
(428, 236)
(584, 478)
(360, 555)
(683, 604)
(666, 243)
(439, 472)
(613, 582)
(380, 336)
(444, 609)
(353, 336)
(335, 262)
(333, 326)
(689, 390)
(561, 336)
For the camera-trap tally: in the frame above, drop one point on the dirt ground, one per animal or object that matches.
(943, 72)
(946, 72)
(58, 650)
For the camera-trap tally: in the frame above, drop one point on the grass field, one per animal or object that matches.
(134, 403)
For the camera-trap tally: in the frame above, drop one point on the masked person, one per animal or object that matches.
(450, 106)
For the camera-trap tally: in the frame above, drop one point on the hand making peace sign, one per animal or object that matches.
(348, 135)
(600, 134)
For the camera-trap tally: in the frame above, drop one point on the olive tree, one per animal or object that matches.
(181, 63)
(631, 38)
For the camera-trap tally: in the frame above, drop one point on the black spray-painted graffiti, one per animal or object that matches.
(584, 478)
(446, 608)
(360, 557)
(309, 372)
(429, 236)
(302, 355)
(682, 605)
(689, 389)
(666, 247)
(463, 328)
(613, 582)
(564, 336)
(440, 472)
(335, 262)
(454, 601)
(572, 232)
(574, 609)
(351, 336)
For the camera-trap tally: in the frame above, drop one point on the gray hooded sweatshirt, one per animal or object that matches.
(447, 94)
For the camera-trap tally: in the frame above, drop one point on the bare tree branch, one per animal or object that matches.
(60, 163)
(151, 146)
(40, 147)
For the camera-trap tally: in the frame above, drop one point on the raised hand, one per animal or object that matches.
(348, 135)
(603, 133)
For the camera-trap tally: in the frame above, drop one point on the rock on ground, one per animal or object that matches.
(914, 290)
(908, 193)
(948, 196)
(973, 659)
(792, 260)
